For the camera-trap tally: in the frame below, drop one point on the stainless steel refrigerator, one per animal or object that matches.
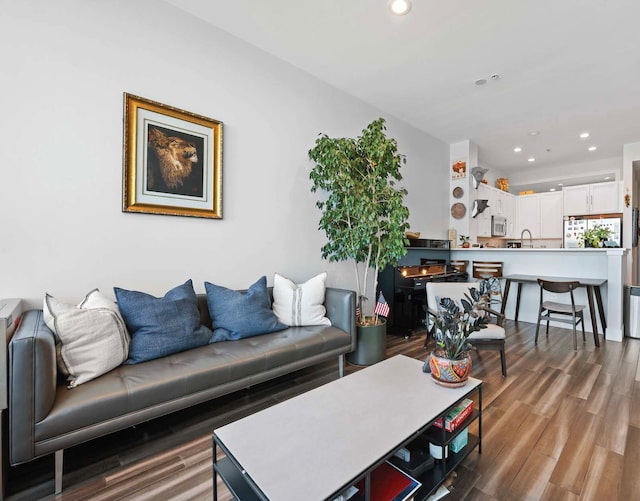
(575, 226)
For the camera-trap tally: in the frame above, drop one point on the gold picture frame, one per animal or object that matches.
(172, 161)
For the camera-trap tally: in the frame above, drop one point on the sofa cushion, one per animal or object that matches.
(162, 326)
(240, 314)
(300, 304)
(91, 338)
(209, 371)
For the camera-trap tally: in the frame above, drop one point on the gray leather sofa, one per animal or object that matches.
(46, 417)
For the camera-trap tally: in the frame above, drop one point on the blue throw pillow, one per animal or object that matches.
(236, 315)
(161, 326)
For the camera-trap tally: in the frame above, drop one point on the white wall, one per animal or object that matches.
(66, 65)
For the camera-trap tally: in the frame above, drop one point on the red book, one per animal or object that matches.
(389, 483)
(456, 416)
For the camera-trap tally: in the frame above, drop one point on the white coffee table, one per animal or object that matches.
(315, 445)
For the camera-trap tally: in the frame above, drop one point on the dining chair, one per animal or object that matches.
(491, 338)
(560, 312)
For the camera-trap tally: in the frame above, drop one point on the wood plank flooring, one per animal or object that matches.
(564, 425)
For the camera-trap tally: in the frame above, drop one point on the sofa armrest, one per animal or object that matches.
(32, 383)
(341, 310)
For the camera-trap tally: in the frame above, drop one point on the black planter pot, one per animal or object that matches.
(372, 345)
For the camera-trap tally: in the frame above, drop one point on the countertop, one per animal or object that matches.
(535, 249)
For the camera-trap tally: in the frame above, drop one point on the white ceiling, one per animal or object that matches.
(564, 66)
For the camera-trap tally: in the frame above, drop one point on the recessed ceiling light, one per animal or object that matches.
(552, 189)
(531, 159)
(482, 81)
(495, 76)
(559, 184)
(592, 148)
(517, 149)
(584, 135)
(534, 132)
(607, 178)
(400, 7)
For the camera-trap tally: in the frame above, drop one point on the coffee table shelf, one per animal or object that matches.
(434, 434)
(235, 481)
(432, 479)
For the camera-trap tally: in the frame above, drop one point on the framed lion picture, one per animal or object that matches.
(172, 160)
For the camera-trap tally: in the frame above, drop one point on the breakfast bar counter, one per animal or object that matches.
(605, 265)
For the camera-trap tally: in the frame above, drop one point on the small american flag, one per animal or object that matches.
(382, 308)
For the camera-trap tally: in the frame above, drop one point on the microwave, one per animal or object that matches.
(498, 226)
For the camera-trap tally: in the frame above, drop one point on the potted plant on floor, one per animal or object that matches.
(363, 213)
(450, 362)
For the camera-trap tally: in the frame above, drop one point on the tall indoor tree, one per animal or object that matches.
(363, 211)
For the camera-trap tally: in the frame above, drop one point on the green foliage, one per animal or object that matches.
(454, 324)
(595, 235)
(363, 212)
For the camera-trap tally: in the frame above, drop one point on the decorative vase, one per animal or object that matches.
(447, 372)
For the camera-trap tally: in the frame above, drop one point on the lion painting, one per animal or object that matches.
(175, 155)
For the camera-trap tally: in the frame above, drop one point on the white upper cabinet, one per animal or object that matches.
(511, 213)
(599, 198)
(500, 203)
(606, 197)
(551, 215)
(540, 213)
(483, 220)
(529, 215)
(576, 200)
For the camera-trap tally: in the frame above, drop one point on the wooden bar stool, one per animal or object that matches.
(492, 271)
(459, 265)
(486, 269)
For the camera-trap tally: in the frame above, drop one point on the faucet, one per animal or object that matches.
(522, 238)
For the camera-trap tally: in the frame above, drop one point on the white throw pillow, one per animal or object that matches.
(300, 304)
(91, 339)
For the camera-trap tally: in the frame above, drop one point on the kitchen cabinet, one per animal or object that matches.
(540, 213)
(511, 213)
(500, 203)
(483, 220)
(529, 214)
(598, 198)
(551, 214)
(606, 197)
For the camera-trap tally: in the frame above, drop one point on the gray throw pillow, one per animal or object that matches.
(236, 315)
(162, 326)
(91, 338)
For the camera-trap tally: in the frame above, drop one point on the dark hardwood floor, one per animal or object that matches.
(564, 425)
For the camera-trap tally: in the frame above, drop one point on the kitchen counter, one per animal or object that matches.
(602, 263)
(535, 249)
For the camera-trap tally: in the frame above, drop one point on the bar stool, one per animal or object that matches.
(459, 265)
(491, 271)
(486, 269)
(562, 310)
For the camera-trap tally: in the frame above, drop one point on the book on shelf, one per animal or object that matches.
(456, 416)
(388, 483)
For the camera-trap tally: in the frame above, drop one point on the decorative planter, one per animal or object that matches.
(447, 372)
(372, 344)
